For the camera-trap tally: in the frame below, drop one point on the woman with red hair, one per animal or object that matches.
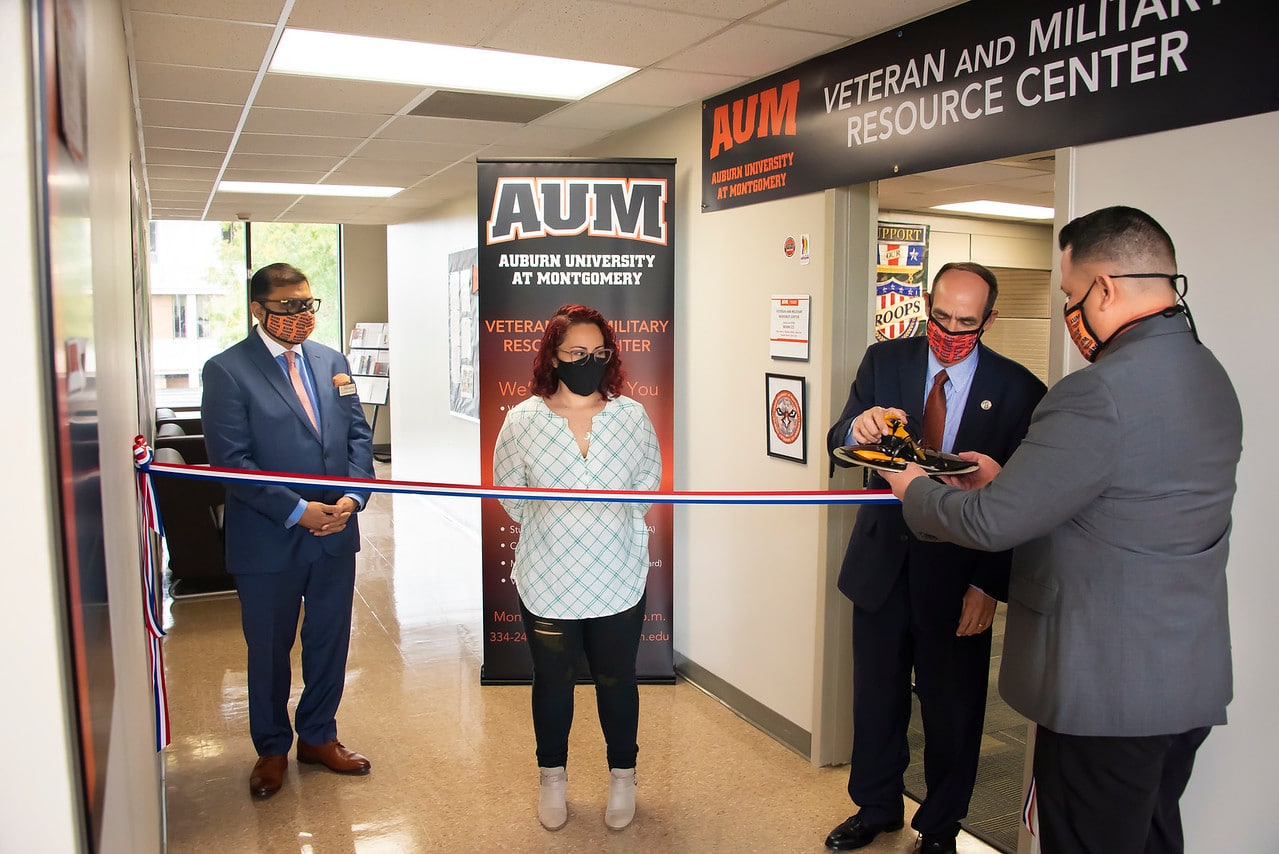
(580, 566)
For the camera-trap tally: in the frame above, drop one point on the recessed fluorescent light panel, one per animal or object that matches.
(464, 69)
(278, 189)
(989, 208)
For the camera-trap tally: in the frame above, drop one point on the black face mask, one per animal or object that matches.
(582, 377)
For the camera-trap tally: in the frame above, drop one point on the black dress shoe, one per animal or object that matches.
(853, 834)
(937, 843)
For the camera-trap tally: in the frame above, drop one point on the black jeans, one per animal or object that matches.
(610, 644)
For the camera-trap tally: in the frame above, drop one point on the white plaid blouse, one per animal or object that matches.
(578, 559)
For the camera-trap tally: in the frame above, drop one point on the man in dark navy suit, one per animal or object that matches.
(277, 402)
(926, 607)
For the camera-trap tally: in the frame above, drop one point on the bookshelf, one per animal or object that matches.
(370, 356)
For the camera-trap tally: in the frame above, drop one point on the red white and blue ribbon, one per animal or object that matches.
(150, 511)
(1030, 811)
(146, 466)
(462, 490)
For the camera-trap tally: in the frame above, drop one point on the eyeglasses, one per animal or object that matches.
(578, 354)
(294, 306)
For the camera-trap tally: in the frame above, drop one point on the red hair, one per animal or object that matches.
(545, 382)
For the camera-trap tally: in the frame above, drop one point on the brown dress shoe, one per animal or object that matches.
(268, 775)
(333, 756)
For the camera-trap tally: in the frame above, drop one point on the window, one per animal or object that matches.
(200, 291)
(203, 315)
(313, 249)
(180, 318)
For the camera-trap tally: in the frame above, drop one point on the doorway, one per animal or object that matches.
(1018, 248)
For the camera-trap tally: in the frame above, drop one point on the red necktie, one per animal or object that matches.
(296, 378)
(935, 413)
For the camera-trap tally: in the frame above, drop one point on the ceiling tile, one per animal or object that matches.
(261, 11)
(282, 162)
(727, 9)
(184, 157)
(183, 173)
(457, 131)
(194, 140)
(752, 50)
(850, 20)
(400, 149)
(189, 83)
(311, 122)
(181, 185)
(565, 138)
(661, 87)
(205, 42)
(297, 176)
(333, 95)
(601, 32)
(438, 22)
(285, 143)
(184, 114)
(605, 117)
(382, 173)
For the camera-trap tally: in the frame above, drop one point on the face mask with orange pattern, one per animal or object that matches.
(290, 328)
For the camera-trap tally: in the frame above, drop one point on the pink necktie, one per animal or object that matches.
(296, 378)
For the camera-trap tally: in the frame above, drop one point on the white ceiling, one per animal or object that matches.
(207, 108)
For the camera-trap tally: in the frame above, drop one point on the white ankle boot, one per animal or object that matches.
(621, 798)
(552, 811)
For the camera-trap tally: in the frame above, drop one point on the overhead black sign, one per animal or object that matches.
(988, 79)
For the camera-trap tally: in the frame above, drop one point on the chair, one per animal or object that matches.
(192, 449)
(192, 514)
(189, 420)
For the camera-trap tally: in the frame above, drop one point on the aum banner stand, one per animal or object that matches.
(600, 233)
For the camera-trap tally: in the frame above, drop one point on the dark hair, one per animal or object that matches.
(977, 269)
(271, 277)
(1111, 234)
(544, 380)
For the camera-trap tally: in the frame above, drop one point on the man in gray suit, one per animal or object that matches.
(1118, 502)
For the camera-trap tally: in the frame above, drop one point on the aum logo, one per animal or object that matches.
(735, 124)
(631, 208)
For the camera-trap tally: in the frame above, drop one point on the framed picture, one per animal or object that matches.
(787, 432)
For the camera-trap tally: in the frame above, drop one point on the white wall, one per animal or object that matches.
(38, 799)
(745, 577)
(430, 443)
(1213, 189)
(132, 805)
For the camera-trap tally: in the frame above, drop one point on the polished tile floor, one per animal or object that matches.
(453, 765)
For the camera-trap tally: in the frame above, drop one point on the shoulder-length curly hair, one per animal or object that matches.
(544, 380)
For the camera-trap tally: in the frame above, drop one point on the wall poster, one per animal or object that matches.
(464, 332)
(600, 233)
(900, 280)
(66, 290)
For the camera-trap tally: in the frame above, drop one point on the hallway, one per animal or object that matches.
(453, 766)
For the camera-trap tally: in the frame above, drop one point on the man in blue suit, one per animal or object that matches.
(925, 609)
(275, 403)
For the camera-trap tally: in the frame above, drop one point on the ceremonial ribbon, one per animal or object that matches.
(144, 461)
(150, 511)
(462, 490)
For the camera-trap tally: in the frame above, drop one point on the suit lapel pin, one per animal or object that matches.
(986, 404)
